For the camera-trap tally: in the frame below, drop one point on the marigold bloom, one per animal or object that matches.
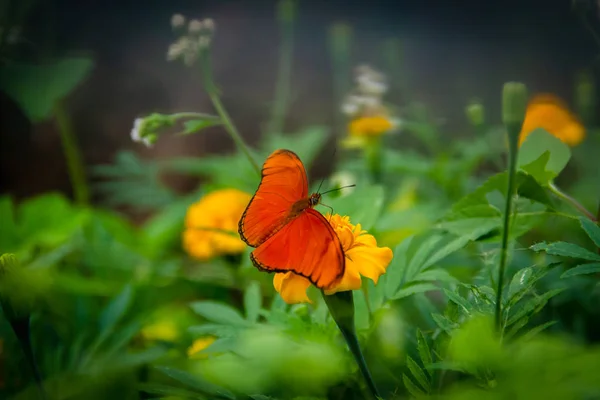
(363, 258)
(552, 114)
(198, 345)
(370, 126)
(211, 224)
(163, 330)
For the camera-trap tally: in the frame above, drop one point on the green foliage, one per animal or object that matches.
(109, 308)
(37, 88)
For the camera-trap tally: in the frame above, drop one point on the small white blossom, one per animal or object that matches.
(195, 26)
(136, 133)
(343, 179)
(209, 25)
(177, 20)
(372, 85)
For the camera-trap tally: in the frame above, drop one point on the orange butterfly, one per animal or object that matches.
(287, 232)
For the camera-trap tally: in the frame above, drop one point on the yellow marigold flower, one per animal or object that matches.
(370, 126)
(549, 112)
(164, 330)
(363, 258)
(198, 345)
(212, 223)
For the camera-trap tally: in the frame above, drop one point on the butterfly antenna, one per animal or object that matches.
(331, 208)
(340, 188)
(320, 184)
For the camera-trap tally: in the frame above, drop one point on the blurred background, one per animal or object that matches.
(450, 52)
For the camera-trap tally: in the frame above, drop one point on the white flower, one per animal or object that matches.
(177, 20)
(343, 179)
(195, 26)
(371, 84)
(136, 133)
(209, 25)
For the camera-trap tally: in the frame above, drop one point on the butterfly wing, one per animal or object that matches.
(282, 184)
(307, 245)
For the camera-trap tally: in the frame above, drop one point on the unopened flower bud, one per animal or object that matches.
(177, 20)
(475, 113)
(514, 103)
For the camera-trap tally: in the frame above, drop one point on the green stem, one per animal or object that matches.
(72, 152)
(341, 307)
(213, 93)
(340, 42)
(565, 197)
(284, 75)
(373, 155)
(233, 132)
(512, 167)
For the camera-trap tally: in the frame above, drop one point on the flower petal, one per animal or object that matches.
(291, 287)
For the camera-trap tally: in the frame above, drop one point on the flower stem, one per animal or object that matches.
(284, 75)
(510, 191)
(565, 197)
(72, 152)
(340, 47)
(373, 155)
(341, 308)
(213, 93)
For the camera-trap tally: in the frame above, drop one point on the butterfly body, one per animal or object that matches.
(288, 234)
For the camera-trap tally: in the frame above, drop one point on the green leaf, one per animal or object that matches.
(535, 330)
(523, 281)
(539, 147)
(156, 388)
(564, 249)
(435, 275)
(413, 289)
(444, 323)
(306, 144)
(424, 351)
(116, 309)
(411, 387)
(459, 301)
(196, 382)
(218, 330)
(219, 313)
(37, 88)
(252, 301)
(592, 230)
(363, 206)
(418, 373)
(584, 269)
(533, 306)
(196, 125)
(8, 227)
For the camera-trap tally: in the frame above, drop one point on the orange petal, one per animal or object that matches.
(291, 287)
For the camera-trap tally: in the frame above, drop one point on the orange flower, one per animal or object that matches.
(212, 223)
(363, 258)
(370, 126)
(550, 113)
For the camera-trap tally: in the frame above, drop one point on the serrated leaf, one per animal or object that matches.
(423, 349)
(37, 88)
(196, 382)
(533, 305)
(458, 300)
(523, 281)
(444, 323)
(411, 387)
(565, 249)
(418, 373)
(219, 313)
(252, 301)
(592, 230)
(534, 331)
(420, 256)
(535, 146)
(584, 269)
(447, 249)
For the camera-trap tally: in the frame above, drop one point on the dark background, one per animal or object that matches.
(452, 52)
